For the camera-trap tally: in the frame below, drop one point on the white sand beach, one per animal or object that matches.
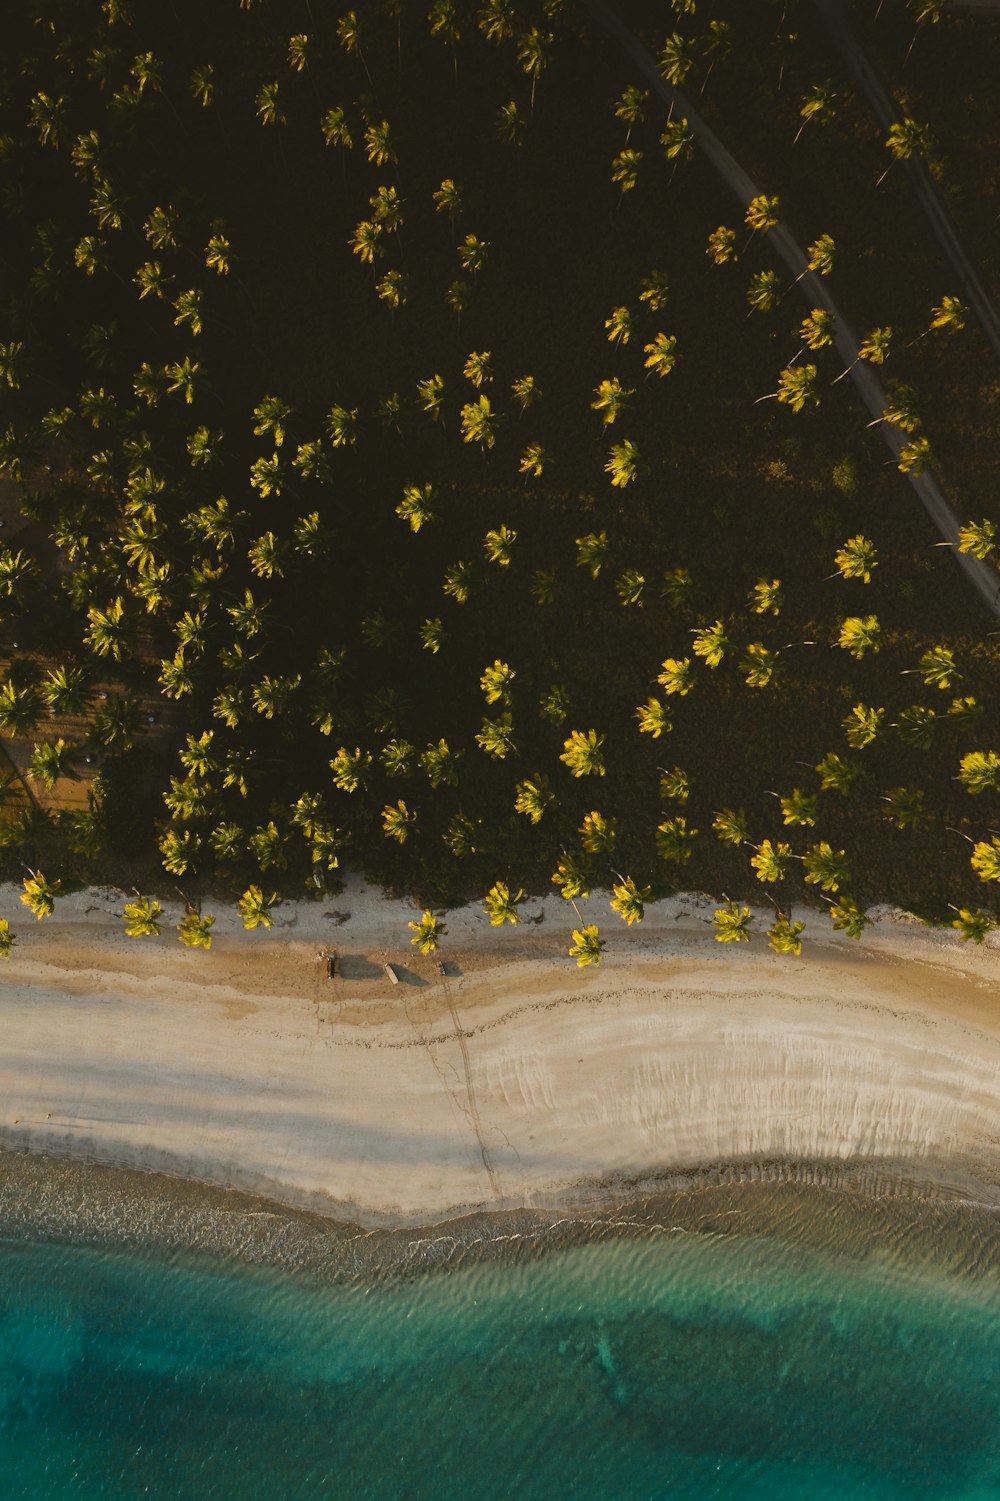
(519, 1079)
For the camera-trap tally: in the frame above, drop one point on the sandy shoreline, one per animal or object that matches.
(519, 1082)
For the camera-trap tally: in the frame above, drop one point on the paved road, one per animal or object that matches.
(921, 181)
(982, 576)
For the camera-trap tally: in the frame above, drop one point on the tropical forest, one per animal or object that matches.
(501, 448)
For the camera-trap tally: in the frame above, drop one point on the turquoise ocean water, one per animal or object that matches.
(668, 1366)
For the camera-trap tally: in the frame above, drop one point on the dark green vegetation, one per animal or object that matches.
(376, 406)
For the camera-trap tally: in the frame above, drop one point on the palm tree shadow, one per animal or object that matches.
(358, 967)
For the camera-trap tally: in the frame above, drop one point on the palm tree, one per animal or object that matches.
(825, 868)
(759, 664)
(625, 169)
(985, 859)
(379, 147)
(675, 676)
(836, 774)
(554, 705)
(904, 807)
(799, 809)
(624, 464)
(677, 587)
(532, 54)
(255, 908)
(342, 426)
(448, 199)
(572, 876)
(532, 797)
(711, 643)
(39, 894)
(874, 349)
(964, 710)
(478, 368)
(722, 245)
(458, 582)
(732, 923)
(417, 506)
(583, 753)
(511, 124)
(598, 833)
(51, 760)
(268, 108)
(630, 108)
(66, 690)
(365, 242)
(619, 326)
(591, 551)
(428, 932)
(848, 917)
(587, 946)
(630, 587)
(20, 707)
(195, 931)
(533, 460)
(817, 328)
(298, 52)
(916, 726)
(950, 315)
(857, 558)
(718, 44)
(183, 376)
(654, 718)
(270, 416)
(980, 771)
(770, 860)
(7, 939)
(766, 597)
(762, 214)
(796, 387)
(655, 291)
(906, 138)
(915, 456)
(267, 846)
(479, 423)
(500, 906)
(496, 737)
(661, 354)
(677, 140)
(350, 768)
(677, 59)
(473, 254)
(430, 393)
(48, 117)
(938, 667)
(973, 925)
(496, 20)
(498, 545)
(526, 391)
(495, 682)
(142, 917)
(764, 291)
(629, 900)
(674, 840)
(978, 538)
(203, 84)
(784, 935)
(440, 763)
(860, 634)
(228, 842)
(863, 725)
(731, 826)
(819, 104)
(611, 398)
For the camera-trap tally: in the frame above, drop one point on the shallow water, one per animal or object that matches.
(666, 1365)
